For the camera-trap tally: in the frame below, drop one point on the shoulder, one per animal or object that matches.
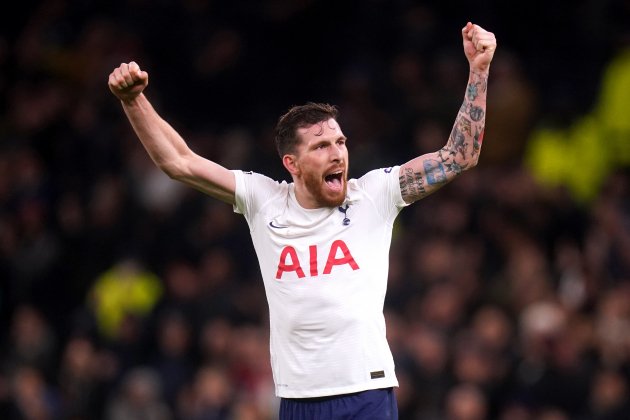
(254, 191)
(382, 186)
(380, 175)
(258, 180)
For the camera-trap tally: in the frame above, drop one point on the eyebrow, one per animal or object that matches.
(325, 141)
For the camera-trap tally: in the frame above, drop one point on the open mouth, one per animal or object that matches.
(334, 180)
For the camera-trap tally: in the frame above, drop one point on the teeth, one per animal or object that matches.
(334, 175)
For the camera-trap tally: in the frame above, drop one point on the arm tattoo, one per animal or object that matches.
(446, 158)
(411, 185)
(464, 125)
(445, 154)
(455, 167)
(472, 92)
(479, 84)
(457, 140)
(434, 171)
(476, 113)
(478, 139)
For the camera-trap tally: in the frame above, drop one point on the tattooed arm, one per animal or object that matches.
(425, 174)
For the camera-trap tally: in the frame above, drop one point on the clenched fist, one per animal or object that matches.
(479, 46)
(127, 81)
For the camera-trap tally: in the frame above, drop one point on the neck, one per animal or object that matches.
(303, 196)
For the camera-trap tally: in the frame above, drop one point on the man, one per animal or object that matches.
(323, 240)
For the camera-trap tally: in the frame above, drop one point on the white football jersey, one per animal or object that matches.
(325, 274)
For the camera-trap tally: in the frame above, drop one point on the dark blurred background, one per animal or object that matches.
(124, 295)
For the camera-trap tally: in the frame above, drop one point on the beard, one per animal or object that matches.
(325, 197)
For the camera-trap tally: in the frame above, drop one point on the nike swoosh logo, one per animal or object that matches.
(276, 226)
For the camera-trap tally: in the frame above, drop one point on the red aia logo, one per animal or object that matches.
(289, 260)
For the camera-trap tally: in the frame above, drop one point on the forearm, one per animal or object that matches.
(164, 145)
(427, 173)
(462, 149)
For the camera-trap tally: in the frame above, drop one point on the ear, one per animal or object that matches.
(290, 162)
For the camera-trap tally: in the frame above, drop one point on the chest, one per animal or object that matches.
(316, 244)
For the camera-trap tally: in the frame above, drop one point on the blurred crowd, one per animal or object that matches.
(124, 295)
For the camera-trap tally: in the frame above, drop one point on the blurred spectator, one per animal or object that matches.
(155, 191)
(209, 396)
(215, 339)
(608, 398)
(426, 360)
(125, 290)
(172, 357)
(32, 397)
(511, 112)
(494, 329)
(612, 326)
(475, 364)
(83, 380)
(139, 397)
(252, 379)
(465, 402)
(32, 343)
(554, 370)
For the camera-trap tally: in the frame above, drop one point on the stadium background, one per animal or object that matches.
(124, 295)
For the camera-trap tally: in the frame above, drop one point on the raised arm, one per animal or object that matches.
(165, 146)
(425, 174)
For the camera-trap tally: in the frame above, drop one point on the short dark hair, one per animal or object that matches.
(300, 116)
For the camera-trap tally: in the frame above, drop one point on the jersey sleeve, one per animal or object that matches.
(383, 187)
(253, 190)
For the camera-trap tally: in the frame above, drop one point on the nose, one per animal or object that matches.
(336, 153)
